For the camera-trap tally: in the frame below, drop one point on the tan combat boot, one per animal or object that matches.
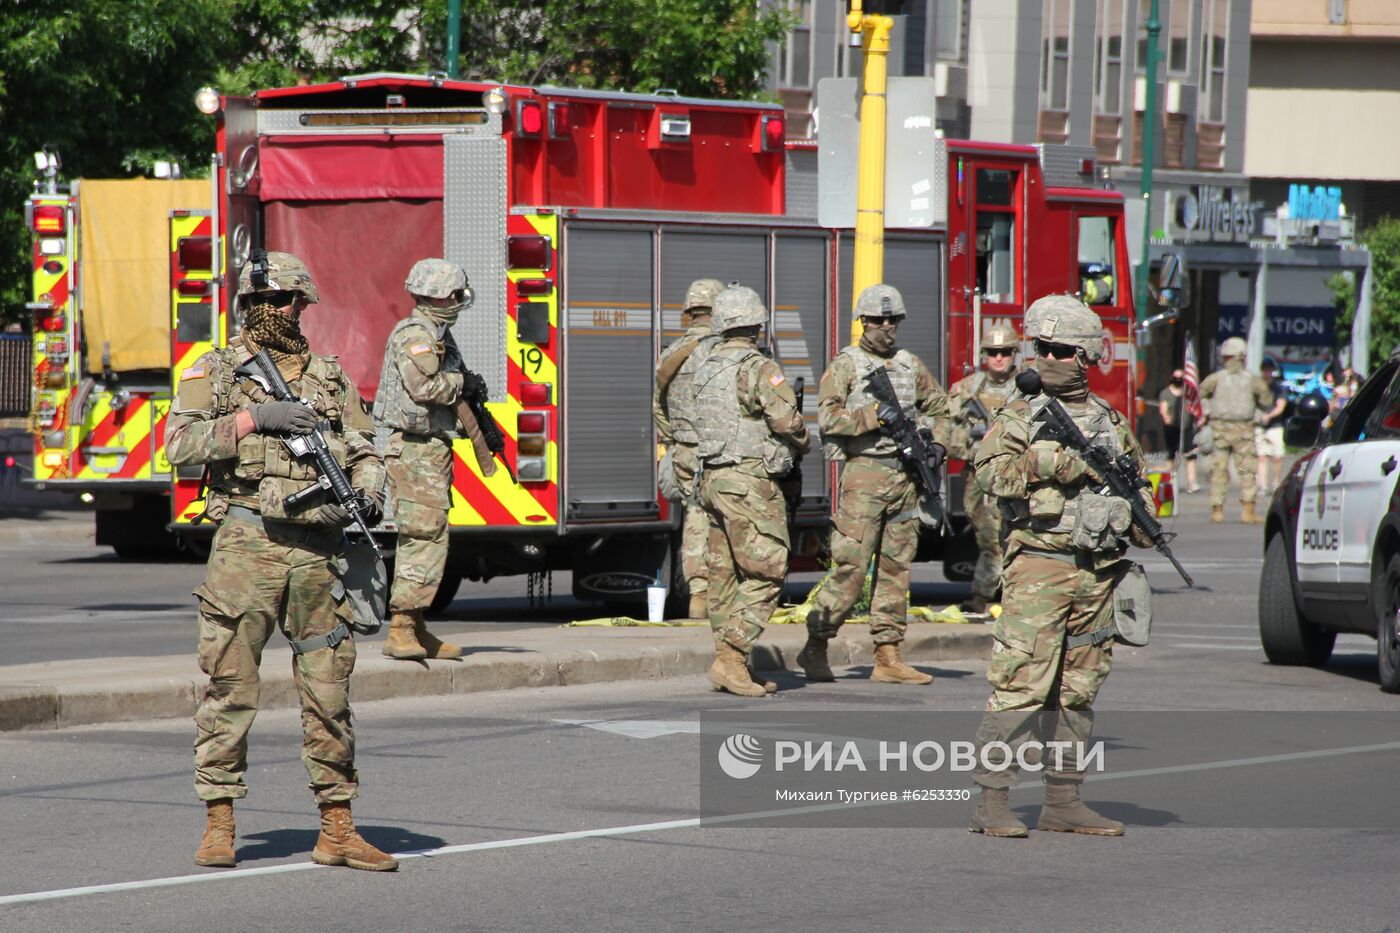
(767, 685)
(730, 671)
(812, 659)
(1064, 812)
(436, 647)
(699, 606)
(340, 844)
(994, 816)
(1217, 514)
(890, 669)
(216, 848)
(402, 642)
(1248, 516)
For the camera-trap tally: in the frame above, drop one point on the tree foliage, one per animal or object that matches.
(109, 84)
(1383, 240)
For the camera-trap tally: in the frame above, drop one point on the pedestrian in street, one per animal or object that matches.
(419, 387)
(1268, 434)
(673, 414)
(877, 515)
(271, 567)
(751, 435)
(1065, 546)
(1232, 399)
(1179, 425)
(975, 401)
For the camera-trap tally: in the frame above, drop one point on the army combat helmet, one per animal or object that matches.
(1235, 346)
(700, 296)
(438, 278)
(880, 301)
(1067, 320)
(1000, 337)
(738, 306)
(274, 271)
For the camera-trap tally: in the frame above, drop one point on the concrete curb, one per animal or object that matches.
(53, 695)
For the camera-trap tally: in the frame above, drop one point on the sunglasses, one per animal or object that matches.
(283, 299)
(1056, 351)
(997, 351)
(880, 321)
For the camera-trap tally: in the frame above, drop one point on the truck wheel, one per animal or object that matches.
(446, 592)
(1287, 636)
(1387, 602)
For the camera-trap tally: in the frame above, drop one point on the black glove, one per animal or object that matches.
(977, 431)
(289, 417)
(937, 455)
(791, 486)
(887, 413)
(340, 515)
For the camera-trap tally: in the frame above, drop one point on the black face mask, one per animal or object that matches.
(1176, 383)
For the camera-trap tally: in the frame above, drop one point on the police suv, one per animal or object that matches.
(1332, 533)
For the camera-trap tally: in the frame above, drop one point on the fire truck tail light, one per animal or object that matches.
(535, 394)
(528, 252)
(45, 410)
(529, 422)
(51, 246)
(193, 288)
(773, 130)
(533, 288)
(53, 267)
(53, 459)
(532, 446)
(195, 254)
(559, 120)
(53, 321)
(1086, 166)
(529, 118)
(50, 218)
(532, 469)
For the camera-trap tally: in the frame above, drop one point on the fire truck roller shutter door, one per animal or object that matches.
(610, 463)
(914, 265)
(800, 283)
(689, 255)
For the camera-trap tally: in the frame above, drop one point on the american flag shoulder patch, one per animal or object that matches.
(777, 380)
(418, 348)
(194, 372)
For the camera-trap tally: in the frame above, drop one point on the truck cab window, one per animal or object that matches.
(1095, 276)
(996, 234)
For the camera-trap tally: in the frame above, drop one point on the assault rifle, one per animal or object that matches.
(1120, 474)
(974, 407)
(920, 454)
(477, 424)
(791, 484)
(330, 478)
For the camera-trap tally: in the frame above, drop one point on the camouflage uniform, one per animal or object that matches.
(269, 570)
(981, 509)
(1232, 399)
(1065, 547)
(750, 431)
(878, 505)
(672, 412)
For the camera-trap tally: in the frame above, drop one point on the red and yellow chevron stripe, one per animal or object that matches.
(478, 500)
(53, 384)
(186, 497)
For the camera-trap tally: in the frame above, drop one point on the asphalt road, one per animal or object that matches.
(552, 824)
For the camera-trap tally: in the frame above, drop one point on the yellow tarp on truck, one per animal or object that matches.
(124, 267)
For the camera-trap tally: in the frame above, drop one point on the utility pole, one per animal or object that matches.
(1149, 148)
(874, 28)
(454, 36)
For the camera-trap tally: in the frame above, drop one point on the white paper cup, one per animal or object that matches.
(656, 603)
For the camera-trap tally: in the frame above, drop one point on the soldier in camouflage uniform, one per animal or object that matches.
(1065, 546)
(878, 512)
(270, 568)
(673, 413)
(990, 387)
(751, 434)
(415, 401)
(1232, 400)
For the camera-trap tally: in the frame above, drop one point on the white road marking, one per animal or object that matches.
(691, 823)
(636, 728)
(1216, 646)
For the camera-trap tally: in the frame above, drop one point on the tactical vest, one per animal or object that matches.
(263, 474)
(1234, 397)
(728, 434)
(1053, 509)
(393, 406)
(992, 394)
(680, 396)
(903, 368)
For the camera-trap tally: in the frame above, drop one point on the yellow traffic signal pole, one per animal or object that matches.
(869, 266)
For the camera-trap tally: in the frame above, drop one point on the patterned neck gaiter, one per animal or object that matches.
(278, 333)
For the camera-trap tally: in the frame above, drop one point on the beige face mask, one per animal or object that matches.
(1065, 379)
(878, 340)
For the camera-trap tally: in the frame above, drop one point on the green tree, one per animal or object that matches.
(109, 84)
(1383, 240)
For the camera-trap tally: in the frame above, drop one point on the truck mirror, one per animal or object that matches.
(1301, 431)
(1171, 282)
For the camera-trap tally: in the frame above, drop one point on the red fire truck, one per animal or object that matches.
(581, 217)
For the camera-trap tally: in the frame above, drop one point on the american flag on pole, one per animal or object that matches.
(1191, 379)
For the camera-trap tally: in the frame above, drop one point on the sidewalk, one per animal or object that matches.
(57, 694)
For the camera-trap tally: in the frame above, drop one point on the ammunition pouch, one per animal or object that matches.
(1100, 522)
